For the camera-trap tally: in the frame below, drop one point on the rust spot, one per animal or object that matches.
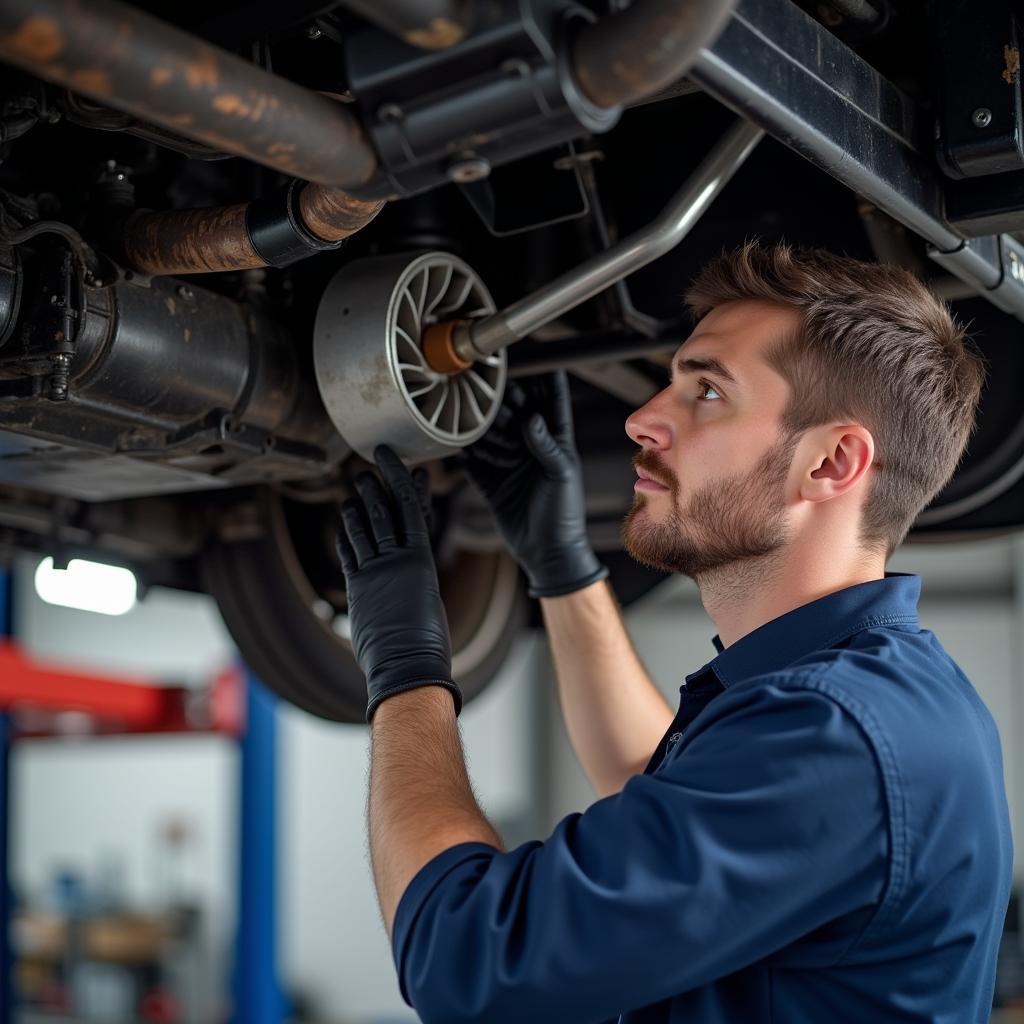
(181, 119)
(1011, 60)
(278, 150)
(230, 104)
(188, 335)
(92, 81)
(160, 76)
(201, 73)
(37, 39)
(259, 108)
(439, 34)
(170, 304)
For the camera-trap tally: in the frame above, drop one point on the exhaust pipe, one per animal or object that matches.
(428, 24)
(229, 237)
(628, 56)
(119, 56)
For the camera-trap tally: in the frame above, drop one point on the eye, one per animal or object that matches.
(707, 391)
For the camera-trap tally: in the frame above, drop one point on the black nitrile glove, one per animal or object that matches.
(528, 469)
(398, 623)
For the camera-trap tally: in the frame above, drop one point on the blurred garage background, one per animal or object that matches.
(156, 878)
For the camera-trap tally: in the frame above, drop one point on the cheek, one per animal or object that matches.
(716, 450)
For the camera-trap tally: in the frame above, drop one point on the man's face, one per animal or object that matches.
(713, 464)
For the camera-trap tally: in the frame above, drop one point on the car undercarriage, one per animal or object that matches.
(240, 245)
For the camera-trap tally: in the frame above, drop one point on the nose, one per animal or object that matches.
(650, 426)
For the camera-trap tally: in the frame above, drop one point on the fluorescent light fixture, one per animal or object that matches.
(88, 586)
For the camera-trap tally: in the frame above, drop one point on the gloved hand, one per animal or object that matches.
(528, 469)
(398, 623)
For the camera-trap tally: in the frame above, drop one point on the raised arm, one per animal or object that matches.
(528, 469)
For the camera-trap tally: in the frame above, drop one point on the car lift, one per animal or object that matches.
(33, 696)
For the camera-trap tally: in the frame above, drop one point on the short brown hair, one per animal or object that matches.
(875, 346)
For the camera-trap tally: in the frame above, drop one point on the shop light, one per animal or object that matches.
(88, 586)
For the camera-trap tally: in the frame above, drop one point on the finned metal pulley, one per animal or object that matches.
(374, 379)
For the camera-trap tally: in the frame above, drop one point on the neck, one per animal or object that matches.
(744, 595)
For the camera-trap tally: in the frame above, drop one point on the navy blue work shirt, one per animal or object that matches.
(822, 835)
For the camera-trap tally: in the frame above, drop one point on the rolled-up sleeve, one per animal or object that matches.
(768, 822)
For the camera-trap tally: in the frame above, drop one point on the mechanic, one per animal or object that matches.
(821, 831)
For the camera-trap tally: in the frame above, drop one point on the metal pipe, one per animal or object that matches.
(532, 357)
(478, 338)
(627, 56)
(189, 241)
(428, 24)
(777, 66)
(217, 239)
(122, 57)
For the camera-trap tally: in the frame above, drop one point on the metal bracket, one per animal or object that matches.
(450, 115)
(778, 67)
(979, 109)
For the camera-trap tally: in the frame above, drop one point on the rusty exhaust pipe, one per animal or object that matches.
(121, 57)
(428, 24)
(219, 238)
(630, 55)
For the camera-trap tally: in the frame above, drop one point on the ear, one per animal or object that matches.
(840, 460)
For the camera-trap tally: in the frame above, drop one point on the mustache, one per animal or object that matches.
(649, 462)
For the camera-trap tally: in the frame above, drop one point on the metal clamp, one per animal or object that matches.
(277, 231)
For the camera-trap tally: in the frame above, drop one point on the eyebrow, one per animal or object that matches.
(706, 364)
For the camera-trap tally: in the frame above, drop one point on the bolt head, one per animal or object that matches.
(313, 32)
(389, 112)
(516, 68)
(982, 117)
(467, 169)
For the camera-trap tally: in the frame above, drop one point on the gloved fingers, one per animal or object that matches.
(345, 553)
(558, 411)
(550, 396)
(489, 455)
(504, 430)
(358, 536)
(378, 512)
(515, 397)
(421, 481)
(399, 482)
(544, 447)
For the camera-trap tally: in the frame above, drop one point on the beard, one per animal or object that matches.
(738, 519)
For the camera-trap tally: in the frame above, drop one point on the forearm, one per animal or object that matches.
(421, 802)
(614, 714)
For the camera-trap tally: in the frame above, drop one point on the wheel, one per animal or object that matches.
(282, 597)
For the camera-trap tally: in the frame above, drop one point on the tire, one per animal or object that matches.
(280, 597)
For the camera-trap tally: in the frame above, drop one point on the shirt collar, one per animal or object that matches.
(816, 626)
